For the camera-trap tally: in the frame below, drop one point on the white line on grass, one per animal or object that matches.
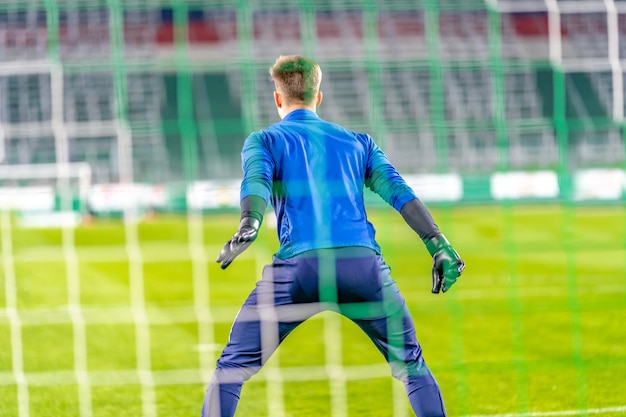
(557, 413)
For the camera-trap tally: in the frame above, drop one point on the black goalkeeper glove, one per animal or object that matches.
(247, 232)
(447, 264)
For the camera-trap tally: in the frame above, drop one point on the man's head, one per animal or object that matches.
(297, 80)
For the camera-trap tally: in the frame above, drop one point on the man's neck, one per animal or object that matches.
(288, 109)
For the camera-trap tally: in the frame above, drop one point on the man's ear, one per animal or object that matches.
(278, 99)
(318, 99)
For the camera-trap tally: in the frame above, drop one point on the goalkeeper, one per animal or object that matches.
(313, 173)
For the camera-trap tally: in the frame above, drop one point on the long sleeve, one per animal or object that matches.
(258, 168)
(383, 178)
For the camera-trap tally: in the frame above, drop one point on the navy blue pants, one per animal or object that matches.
(354, 282)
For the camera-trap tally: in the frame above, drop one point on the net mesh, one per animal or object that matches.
(165, 93)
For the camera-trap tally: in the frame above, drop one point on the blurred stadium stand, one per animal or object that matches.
(418, 100)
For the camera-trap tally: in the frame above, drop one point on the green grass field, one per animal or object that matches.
(536, 326)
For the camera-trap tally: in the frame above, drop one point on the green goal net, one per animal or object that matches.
(121, 126)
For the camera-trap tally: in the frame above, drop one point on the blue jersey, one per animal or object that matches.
(313, 172)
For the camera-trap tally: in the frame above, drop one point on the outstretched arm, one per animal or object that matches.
(447, 264)
(258, 166)
(383, 179)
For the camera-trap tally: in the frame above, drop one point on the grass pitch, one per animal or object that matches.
(535, 325)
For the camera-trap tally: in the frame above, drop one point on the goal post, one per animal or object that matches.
(46, 195)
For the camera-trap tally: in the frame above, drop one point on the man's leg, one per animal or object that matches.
(257, 331)
(243, 356)
(393, 333)
(220, 399)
